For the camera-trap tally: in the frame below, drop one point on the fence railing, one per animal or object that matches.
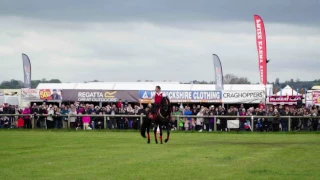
(252, 119)
(32, 117)
(288, 119)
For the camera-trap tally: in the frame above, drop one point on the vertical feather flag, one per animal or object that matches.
(26, 71)
(262, 48)
(218, 72)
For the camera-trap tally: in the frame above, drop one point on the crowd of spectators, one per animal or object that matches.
(51, 116)
(309, 122)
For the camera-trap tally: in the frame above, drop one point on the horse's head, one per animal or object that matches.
(165, 104)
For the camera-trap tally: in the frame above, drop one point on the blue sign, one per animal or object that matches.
(186, 96)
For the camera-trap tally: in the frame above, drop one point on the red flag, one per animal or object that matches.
(262, 48)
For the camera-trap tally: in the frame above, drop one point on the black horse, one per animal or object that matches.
(162, 119)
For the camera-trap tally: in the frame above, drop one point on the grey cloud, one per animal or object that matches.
(92, 42)
(166, 11)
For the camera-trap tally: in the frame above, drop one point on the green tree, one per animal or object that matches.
(17, 84)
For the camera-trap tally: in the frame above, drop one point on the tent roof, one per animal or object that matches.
(172, 86)
(287, 91)
(315, 88)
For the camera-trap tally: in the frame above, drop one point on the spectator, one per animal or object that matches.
(138, 111)
(119, 104)
(200, 120)
(113, 111)
(188, 112)
(64, 111)
(73, 111)
(27, 120)
(49, 121)
(242, 120)
(121, 120)
(86, 121)
(35, 112)
(315, 120)
(206, 120)
(177, 112)
(42, 119)
(129, 111)
(261, 105)
(57, 118)
(284, 121)
(98, 121)
(276, 121)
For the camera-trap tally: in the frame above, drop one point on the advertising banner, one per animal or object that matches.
(183, 96)
(261, 48)
(26, 71)
(40, 94)
(218, 72)
(99, 95)
(243, 97)
(284, 99)
(316, 97)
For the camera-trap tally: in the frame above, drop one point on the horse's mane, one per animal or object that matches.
(169, 103)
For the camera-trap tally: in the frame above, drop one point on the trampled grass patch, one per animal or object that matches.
(126, 155)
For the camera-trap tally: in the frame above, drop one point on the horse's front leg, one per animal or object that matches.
(148, 134)
(155, 133)
(168, 133)
(160, 128)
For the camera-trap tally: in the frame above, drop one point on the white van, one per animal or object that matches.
(11, 100)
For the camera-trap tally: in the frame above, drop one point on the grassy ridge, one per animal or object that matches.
(125, 155)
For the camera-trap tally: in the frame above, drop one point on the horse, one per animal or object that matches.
(163, 116)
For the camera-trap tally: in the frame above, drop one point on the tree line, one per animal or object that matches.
(17, 84)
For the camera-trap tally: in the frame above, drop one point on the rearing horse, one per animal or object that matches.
(162, 118)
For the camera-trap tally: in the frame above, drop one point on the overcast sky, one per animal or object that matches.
(129, 40)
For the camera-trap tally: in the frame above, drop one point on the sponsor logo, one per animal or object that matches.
(284, 98)
(244, 95)
(186, 96)
(30, 91)
(45, 94)
(219, 77)
(109, 94)
(27, 69)
(97, 96)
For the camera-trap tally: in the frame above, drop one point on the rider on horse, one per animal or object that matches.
(156, 99)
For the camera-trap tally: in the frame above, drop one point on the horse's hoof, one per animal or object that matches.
(166, 140)
(149, 141)
(161, 143)
(156, 142)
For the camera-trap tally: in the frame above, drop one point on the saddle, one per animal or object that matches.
(154, 115)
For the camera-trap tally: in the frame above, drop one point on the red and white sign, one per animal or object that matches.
(291, 100)
(262, 48)
(316, 97)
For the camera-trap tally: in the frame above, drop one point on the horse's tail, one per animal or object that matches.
(144, 126)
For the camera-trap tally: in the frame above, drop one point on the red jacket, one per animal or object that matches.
(119, 105)
(158, 98)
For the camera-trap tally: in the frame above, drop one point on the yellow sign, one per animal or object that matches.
(109, 94)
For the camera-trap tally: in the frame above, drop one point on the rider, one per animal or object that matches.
(156, 99)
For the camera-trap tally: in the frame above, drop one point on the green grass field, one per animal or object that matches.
(126, 155)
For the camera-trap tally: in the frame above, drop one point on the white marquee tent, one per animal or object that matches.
(167, 86)
(288, 91)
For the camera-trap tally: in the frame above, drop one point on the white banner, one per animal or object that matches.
(40, 94)
(243, 97)
(233, 124)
